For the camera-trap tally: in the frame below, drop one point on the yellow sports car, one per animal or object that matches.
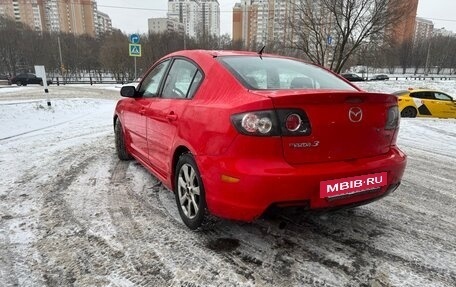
(425, 103)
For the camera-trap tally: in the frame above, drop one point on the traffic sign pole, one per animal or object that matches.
(134, 49)
(135, 69)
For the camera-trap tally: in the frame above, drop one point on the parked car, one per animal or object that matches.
(235, 133)
(4, 80)
(27, 79)
(425, 103)
(353, 77)
(381, 77)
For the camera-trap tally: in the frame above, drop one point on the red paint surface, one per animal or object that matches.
(271, 170)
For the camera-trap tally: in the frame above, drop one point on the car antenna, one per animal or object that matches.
(261, 52)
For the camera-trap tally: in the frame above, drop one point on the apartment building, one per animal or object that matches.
(210, 17)
(68, 16)
(404, 30)
(423, 29)
(200, 17)
(260, 22)
(25, 11)
(104, 23)
(163, 25)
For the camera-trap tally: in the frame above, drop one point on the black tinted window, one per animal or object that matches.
(423, 95)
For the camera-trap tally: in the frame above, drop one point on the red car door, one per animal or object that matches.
(134, 120)
(165, 115)
(135, 110)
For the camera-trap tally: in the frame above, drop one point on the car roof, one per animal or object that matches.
(205, 57)
(216, 53)
(411, 90)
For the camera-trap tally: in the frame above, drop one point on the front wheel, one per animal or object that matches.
(189, 192)
(121, 149)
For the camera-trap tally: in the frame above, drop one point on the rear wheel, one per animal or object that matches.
(409, 112)
(189, 192)
(121, 149)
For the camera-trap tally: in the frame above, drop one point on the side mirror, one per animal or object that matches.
(128, 91)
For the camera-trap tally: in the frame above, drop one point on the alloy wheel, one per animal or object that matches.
(188, 191)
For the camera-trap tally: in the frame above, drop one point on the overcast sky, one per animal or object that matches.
(134, 20)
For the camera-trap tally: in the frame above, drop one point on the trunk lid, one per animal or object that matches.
(344, 125)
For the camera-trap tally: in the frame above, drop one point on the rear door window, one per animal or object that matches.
(182, 80)
(442, 97)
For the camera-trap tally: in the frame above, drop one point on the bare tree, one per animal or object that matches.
(114, 56)
(329, 32)
(441, 50)
(10, 47)
(419, 54)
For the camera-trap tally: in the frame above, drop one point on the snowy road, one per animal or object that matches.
(72, 214)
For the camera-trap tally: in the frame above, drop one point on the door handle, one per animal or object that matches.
(171, 116)
(142, 112)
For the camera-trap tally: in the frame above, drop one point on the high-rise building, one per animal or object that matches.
(24, 11)
(423, 29)
(402, 31)
(260, 22)
(104, 23)
(210, 17)
(237, 22)
(163, 25)
(68, 16)
(200, 17)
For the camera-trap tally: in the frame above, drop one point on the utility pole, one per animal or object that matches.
(427, 58)
(60, 54)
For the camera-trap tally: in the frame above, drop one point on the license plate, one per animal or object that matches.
(355, 184)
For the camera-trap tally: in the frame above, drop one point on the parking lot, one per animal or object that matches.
(72, 214)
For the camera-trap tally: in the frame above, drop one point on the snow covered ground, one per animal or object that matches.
(72, 214)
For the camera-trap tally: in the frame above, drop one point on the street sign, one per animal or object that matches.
(330, 40)
(135, 50)
(134, 39)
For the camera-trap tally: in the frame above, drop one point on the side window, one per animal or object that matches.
(182, 80)
(443, 97)
(151, 83)
(195, 84)
(423, 95)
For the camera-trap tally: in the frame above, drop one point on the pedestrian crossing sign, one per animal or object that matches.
(135, 50)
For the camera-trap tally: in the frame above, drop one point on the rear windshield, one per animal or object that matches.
(269, 73)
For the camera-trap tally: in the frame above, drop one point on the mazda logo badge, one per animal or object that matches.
(355, 114)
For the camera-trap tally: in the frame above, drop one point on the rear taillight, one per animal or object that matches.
(289, 122)
(257, 123)
(392, 118)
(293, 122)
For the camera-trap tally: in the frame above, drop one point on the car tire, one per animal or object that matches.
(189, 192)
(19, 83)
(409, 112)
(121, 148)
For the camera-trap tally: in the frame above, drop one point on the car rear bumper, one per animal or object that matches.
(242, 189)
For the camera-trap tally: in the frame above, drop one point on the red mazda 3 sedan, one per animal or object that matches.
(234, 133)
